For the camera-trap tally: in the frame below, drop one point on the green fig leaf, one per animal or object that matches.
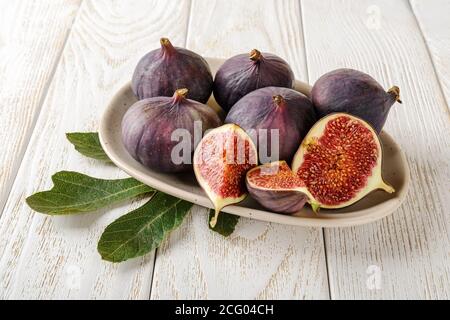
(143, 229)
(225, 223)
(88, 144)
(75, 192)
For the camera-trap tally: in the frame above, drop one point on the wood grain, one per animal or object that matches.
(259, 260)
(32, 36)
(433, 19)
(411, 247)
(56, 257)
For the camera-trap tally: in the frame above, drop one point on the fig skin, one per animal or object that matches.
(286, 201)
(148, 125)
(162, 71)
(245, 73)
(356, 93)
(287, 110)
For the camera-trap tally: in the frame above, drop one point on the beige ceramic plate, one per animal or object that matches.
(375, 206)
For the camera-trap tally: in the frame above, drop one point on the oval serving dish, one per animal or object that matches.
(373, 207)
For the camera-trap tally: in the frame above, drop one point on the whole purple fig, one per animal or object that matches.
(285, 110)
(245, 73)
(162, 71)
(149, 130)
(356, 93)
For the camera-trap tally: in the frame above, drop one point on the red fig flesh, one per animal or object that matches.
(245, 73)
(340, 161)
(337, 164)
(162, 71)
(150, 130)
(354, 92)
(221, 160)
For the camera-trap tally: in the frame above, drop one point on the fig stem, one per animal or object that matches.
(395, 93)
(315, 206)
(255, 55)
(386, 187)
(278, 99)
(179, 95)
(166, 45)
(213, 220)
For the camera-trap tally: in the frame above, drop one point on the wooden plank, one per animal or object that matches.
(32, 36)
(433, 20)
(259, 260)
(45, 257)
(411, 247)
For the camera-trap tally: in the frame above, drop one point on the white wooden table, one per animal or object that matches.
(62, 60)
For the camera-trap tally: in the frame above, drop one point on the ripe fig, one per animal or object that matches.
(337, 164)
(354, 92)
(148, 130)
(340, 161)
(245, 73)
(278, 111)
(276, 187)
(221, 160)
(162, 71)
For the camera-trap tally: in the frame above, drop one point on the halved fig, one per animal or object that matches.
(339, 161)
(221, 160)
(276, 187)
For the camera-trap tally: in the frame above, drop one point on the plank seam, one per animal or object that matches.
(27, 137)
(430, 55)
(188, 23)
(156, 250)
(309, 80)
(304, 39)
(155, 254)
(330, 296)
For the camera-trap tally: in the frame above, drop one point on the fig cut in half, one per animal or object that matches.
(276, 187)
(221, 161)
(339, 161)
(337, 164)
